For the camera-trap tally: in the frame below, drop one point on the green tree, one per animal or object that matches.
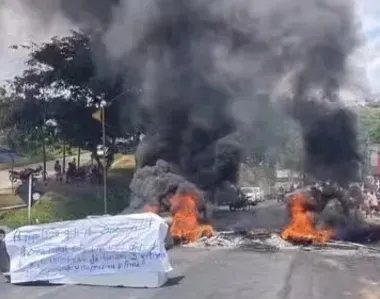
(63, 83)
(24, 120)
(370, 122)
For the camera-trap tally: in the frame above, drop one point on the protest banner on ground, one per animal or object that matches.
(126, 250)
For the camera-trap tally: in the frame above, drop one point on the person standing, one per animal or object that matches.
(374, 204)
(74, 164)
(366, 207)
(58, 171)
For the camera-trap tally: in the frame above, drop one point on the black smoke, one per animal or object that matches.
(329, 129)
(330, 142)
(203, 64)
(81, 13)
(204, 68)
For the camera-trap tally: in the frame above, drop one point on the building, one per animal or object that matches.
(287, 175)
(374, 159)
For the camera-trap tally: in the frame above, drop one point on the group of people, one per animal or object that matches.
(370, 191)
(58, 169)
(370, 203)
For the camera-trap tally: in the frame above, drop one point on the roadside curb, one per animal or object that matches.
(15, 207)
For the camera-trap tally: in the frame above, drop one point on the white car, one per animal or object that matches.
(100, 151)
(260, 194)
(255, 194)
(250, 193)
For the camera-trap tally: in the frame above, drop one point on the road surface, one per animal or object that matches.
(234, 273)
(4, 174)
(226, 274)
(268, 214)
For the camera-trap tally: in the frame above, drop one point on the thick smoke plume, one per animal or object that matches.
(204, 65)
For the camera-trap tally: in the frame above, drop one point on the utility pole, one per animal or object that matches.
(104, 158)
(30, 198)
(100, 116)
(64, 157)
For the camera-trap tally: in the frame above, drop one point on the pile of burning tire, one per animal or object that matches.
(327, 211)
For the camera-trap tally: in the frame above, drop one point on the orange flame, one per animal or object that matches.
(186, 226)
(301, 228)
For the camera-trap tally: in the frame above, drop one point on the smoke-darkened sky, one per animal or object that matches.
(204, 67)
(20, 24)
(370, 12)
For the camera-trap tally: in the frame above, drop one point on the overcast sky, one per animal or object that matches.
(16, 28)
(370, 14)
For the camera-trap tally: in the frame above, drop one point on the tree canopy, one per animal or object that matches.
(62, 82)
(370, 123)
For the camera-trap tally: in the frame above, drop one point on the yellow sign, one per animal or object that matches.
(98, 115)
(125, 162)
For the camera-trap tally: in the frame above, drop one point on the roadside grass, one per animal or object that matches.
(42, 212)
(75, 201)
(8, 198)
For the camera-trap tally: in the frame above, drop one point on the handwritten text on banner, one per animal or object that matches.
(104, 245)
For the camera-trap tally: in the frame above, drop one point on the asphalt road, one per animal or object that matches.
(4, 174)
(234, 273)
(226, 274)
(269, 214)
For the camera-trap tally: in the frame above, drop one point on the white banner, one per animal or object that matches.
(97, 246)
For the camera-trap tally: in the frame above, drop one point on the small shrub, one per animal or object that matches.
(42, 212)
